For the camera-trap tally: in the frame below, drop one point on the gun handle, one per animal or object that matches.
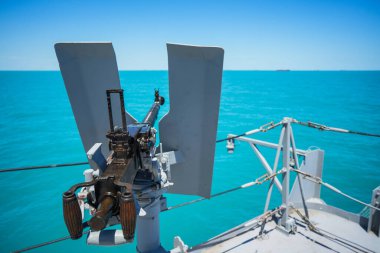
(128, 215)
(72, 215)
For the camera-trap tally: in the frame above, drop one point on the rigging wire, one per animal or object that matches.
(318, 180)
(258, 181)
(339, 240)
(263, 128)
(47, 243)
(50, 166)
(332, 129)
(263, 218)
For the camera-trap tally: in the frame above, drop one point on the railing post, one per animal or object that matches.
(275, 165)
(285, 175)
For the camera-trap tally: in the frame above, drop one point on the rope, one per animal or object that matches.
(332, 129)
(318, 180)
(43, 167)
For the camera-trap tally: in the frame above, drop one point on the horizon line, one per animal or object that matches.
(277, 70)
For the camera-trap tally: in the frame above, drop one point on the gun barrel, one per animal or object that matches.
(151, 116)
(100, 219)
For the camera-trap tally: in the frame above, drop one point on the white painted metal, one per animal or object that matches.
(96, 158)
(297, 166)
(313, 165)
(286, 175)
(179, 246)
(171, 157)
(266, 166)
(106, 237)
(88, 176)
(265, 143)
(276, 159)
(195, 76)
(88, 70)
(314, 227)
(338, 234)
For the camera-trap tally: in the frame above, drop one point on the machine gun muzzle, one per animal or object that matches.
(151, 116)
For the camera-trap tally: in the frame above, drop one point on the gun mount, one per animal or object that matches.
(110, 192)
(128, 186)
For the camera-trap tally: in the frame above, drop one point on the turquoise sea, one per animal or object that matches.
(37, 127)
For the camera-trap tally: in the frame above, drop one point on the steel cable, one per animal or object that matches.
(50, 166)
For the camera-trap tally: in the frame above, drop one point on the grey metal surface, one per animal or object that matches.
(336, 234)
(88, 70)
(148, 227)
(374, 217)
(319, 204)
(195, 76)
(96, 158)
(313, 165)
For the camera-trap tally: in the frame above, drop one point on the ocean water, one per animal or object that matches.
(37, 127)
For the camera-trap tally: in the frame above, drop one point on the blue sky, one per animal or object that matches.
(259, 35)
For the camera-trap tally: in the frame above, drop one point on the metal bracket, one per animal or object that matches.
(179, 246)
(96, 158)
(374, 217)
(166, 159)
(171, 157)
(290, 226)
(106, 237)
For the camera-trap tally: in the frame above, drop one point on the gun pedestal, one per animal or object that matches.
(132, 151)
(148, 226)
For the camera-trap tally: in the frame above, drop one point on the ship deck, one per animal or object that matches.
(334, 233)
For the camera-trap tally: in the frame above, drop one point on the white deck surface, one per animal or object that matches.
(339, 235)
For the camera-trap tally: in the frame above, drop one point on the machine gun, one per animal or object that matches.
(132, 149)
(128, 186)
